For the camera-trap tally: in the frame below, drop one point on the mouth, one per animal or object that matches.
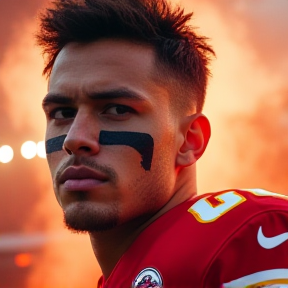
(81, 178)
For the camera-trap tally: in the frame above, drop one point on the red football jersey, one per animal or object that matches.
(229, 239)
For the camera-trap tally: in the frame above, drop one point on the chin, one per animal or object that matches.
(87, 217)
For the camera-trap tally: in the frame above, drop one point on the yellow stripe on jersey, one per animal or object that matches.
(268, 277)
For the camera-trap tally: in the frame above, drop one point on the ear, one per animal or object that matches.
(195, 133)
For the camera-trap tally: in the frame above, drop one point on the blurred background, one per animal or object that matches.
(247, 104)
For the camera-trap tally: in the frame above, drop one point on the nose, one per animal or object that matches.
(83, 136)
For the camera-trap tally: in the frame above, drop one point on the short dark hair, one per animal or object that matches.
(184, 54)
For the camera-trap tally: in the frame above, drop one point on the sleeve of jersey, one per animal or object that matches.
(256, 255)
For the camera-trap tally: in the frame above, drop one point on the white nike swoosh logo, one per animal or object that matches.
(271, 242)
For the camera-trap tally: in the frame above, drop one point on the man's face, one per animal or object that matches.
(109, 86)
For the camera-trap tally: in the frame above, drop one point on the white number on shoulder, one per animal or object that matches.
(210, 208)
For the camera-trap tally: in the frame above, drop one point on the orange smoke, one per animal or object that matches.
(246, 99)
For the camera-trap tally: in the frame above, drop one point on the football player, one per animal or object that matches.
(127, 83)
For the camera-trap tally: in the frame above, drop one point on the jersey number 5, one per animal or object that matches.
(210, 208)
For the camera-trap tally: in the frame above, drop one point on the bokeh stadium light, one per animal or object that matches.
(23, 259)
(29, 150)
(41, 152)
(6, 154)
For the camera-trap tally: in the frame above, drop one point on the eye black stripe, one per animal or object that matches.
(142, 142)
(55, 144)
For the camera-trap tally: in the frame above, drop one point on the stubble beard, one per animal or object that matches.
(83, 217)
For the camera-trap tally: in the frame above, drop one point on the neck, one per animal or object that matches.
(110, 245)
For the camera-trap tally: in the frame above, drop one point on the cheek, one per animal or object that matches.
(54, 161)
(124, 159)
(166, 150)
(145, 194)
(150, 184)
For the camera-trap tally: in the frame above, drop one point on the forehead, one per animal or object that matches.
(107, 63)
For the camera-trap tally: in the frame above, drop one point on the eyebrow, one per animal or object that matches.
(56, 99)
(116, 93)
(122, 93)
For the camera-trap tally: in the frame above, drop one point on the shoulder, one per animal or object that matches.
(258, 237)
(216, 216)
(228, 203)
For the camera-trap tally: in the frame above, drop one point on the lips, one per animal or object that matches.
(81, 178)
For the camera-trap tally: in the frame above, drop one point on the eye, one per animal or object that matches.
(120, 110)
(63, 113)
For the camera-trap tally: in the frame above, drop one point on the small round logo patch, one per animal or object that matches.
(148, 278)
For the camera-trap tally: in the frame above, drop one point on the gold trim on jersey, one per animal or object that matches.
(257, 280)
